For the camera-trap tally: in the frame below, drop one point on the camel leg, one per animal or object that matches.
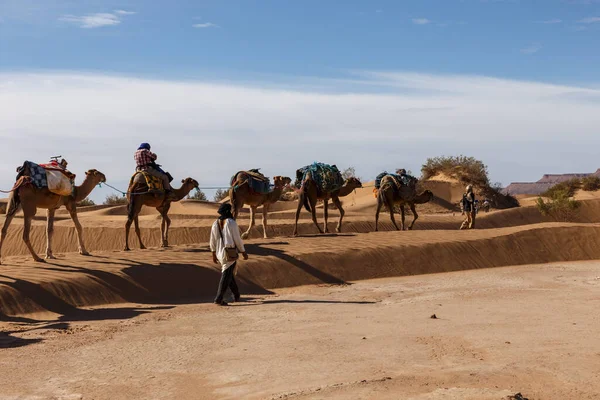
(338, 204)
(133, 209)
(415, 216)
(313, 211)
(264, 220)
(136, 222)
(390, 205)
(403, 216)
(379, 205)
(300, 203)
(49, 233)
(164, 225)
(12, 209)
(252, 222)
(325, 215)
(73, 212)
(26, 229)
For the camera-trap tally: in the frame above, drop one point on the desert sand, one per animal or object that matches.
(325, 316)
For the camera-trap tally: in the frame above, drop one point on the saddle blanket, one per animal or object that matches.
(56, 180)
(327, 177)
(399, 179)
(154, 183)
(257, 182)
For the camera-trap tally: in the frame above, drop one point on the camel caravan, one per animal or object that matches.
(51, 186)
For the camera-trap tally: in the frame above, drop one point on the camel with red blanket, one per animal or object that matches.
(29, 197)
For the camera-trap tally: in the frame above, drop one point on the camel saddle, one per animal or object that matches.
(155, 185)
(327, 177)
(56, 179)
(257, 182)
(397, 180)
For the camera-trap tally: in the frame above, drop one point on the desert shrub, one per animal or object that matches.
(590, 183)
(560, 206)
(467, 170)
(85, 203)
(349, 172)
(220, 194)
(569, 187)
(498, 199)
(114, 200)
(288, 194)
(197, 195)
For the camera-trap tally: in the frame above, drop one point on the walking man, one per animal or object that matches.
(226, 244)
(468, 207)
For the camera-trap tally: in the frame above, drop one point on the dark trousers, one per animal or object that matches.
(227, 281)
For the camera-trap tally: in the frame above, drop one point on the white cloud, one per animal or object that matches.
(550, 21)
(590, 20)
(421, 21)
(373, 121)
(206, 25)
(124, 12)
(92, 20)
(532, 48)
(97, 20)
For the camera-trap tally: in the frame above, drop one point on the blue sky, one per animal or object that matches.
(370, 70)
(515, 39)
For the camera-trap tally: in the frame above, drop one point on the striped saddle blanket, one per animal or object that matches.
(154, 184)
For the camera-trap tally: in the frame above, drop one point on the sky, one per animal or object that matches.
(218, 86)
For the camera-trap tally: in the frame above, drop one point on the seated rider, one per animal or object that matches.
(146, 161)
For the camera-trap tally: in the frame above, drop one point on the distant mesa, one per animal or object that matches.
(545, 183)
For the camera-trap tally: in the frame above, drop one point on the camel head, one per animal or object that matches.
(353, 183)
(281, 181)
(95, 175)
(189, 184)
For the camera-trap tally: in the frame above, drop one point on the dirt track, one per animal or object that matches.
(528, 329)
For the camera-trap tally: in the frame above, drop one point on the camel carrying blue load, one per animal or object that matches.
(402, 179)
(257, 182)
(327, 177)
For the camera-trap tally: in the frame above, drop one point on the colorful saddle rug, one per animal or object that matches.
(257, 182)
(399, 181)
(57, 180)
(154, 183)
(327, 177)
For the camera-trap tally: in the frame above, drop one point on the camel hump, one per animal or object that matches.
(328, 178)
(257, 182)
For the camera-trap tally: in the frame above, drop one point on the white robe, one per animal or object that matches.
(231, 238)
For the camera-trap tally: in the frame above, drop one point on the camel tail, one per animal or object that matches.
(304, 197)
(14, 202)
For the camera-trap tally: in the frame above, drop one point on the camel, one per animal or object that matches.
(138, 196)
(308, 198)
(29, 198)
(240, 194)
(390, 193)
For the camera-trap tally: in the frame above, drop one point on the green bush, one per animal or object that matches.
(569, 187)
(86, 202)
(561, 206)
(114, 200)
(590, 183)
(467, 170)
(220, 194)
(197, 195)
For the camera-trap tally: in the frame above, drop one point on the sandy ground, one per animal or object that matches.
(123, 325)
(529, 329)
